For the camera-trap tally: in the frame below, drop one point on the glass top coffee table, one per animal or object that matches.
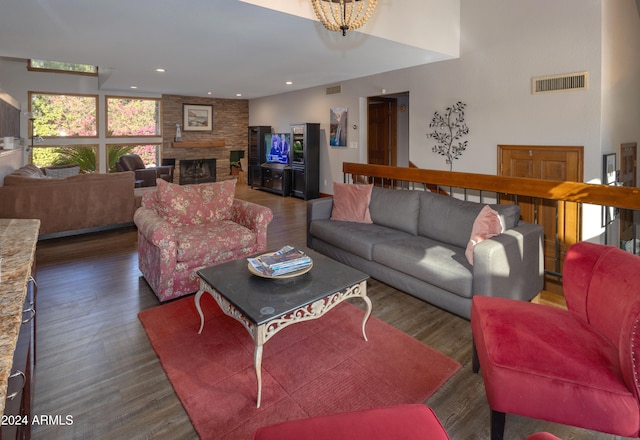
(264, 306)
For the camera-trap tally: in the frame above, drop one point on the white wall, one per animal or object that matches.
(620, 75)
(620, 82)
(504, 44)
(403, 130)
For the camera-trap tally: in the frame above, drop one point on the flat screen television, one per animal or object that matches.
(277, 146)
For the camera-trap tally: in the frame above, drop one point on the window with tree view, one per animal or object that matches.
(58, 115)
(55, 155)
(59, 66)
(128, 116)
(148, 153)
(61, 121)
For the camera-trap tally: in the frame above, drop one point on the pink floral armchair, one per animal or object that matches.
(182, 229)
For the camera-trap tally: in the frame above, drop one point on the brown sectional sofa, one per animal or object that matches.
(71, 205)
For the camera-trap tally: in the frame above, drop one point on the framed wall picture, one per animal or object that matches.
(609, 169)
(338, 127)
(197, 117)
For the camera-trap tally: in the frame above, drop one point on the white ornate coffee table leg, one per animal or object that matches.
(257, 361)
(197, 302)
(258, 338)
(365, 298)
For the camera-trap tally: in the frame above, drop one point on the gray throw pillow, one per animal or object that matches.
(61, 172)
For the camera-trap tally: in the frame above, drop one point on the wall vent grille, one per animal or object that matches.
(559, 83)
(334, 90)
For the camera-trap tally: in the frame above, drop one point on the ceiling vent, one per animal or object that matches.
(334, 90)
(559, 83)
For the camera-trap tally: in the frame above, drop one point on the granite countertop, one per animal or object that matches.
(18, 239)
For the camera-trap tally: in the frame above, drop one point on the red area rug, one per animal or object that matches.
(316, 367)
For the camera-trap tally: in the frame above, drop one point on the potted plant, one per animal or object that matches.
(235, 167)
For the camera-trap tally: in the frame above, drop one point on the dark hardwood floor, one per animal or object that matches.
(95, 363)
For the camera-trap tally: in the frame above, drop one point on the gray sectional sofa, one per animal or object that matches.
(417, 244)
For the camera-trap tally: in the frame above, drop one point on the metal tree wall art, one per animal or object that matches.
(448, 130)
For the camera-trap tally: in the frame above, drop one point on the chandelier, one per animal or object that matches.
(343, 15)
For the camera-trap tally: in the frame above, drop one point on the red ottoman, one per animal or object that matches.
(394, 422)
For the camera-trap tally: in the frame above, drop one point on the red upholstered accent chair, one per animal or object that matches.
(578, 367)
(395, 422)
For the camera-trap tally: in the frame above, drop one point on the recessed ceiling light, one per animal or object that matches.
(238, 94)
(209, 93)
(160, 69)
(134, 87)
(289, 83)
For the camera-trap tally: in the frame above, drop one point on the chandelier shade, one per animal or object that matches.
(343, 15)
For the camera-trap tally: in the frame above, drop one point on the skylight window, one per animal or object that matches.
(61, 67)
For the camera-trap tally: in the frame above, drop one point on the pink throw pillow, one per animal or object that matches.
(195, 204)
(351, 202)
(486, 225)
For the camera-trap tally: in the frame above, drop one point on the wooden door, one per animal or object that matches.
(628, 166)
(561, 221)
(382, 131)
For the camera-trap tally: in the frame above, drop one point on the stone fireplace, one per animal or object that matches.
(194, 171)
(228, 133)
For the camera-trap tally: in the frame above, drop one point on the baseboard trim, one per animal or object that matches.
(83, 231)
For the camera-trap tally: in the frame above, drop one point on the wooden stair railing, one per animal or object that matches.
(532, 193)
(432, 187)
(605, 195)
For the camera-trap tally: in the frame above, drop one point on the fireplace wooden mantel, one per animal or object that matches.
(199, 144)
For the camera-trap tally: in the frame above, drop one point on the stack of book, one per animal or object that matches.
(284, 261)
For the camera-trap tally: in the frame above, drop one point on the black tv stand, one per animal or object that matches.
(276, 178)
